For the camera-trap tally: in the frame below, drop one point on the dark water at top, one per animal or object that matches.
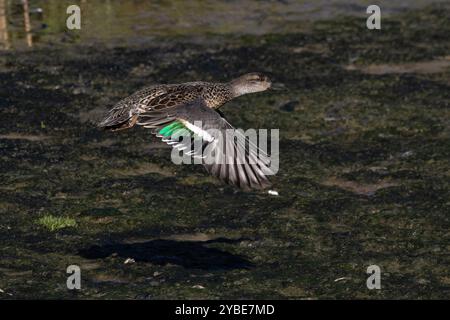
(136, 22)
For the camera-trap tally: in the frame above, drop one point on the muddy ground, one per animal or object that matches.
(364, 169)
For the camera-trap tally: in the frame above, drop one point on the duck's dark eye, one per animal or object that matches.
(257, 78)
(262, 77)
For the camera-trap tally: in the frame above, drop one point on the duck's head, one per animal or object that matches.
(249, 83)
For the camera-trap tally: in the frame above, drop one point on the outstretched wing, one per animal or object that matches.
(225, 152)
(155, 98)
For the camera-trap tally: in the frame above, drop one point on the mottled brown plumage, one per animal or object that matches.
(159, 97)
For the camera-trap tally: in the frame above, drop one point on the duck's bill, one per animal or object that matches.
(278, 86)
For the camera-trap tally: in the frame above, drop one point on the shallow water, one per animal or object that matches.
(364, 169)
(116, 22)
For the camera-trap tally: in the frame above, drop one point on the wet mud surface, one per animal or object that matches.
(364, 169)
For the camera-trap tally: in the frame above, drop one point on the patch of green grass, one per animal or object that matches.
(53, 223)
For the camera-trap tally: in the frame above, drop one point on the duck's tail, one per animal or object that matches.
(119, 118)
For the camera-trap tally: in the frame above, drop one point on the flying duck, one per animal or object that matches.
(174, 110)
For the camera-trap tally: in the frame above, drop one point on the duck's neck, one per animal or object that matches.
(218, 94)
(237, 89)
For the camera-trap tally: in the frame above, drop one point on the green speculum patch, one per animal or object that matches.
(170, 129)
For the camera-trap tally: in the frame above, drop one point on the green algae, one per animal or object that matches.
(56, 223)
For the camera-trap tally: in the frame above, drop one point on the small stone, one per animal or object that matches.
(407, 154)
(341, 279)
(423, 281)
(2, 291)
(273, 192)
(129, 260)
(197, 286)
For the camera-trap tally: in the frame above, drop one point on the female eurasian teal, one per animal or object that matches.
(172, 110)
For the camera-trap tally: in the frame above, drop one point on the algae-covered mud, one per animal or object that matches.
(364, 159)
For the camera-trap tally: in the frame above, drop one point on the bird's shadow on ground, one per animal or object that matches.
(189, 254)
